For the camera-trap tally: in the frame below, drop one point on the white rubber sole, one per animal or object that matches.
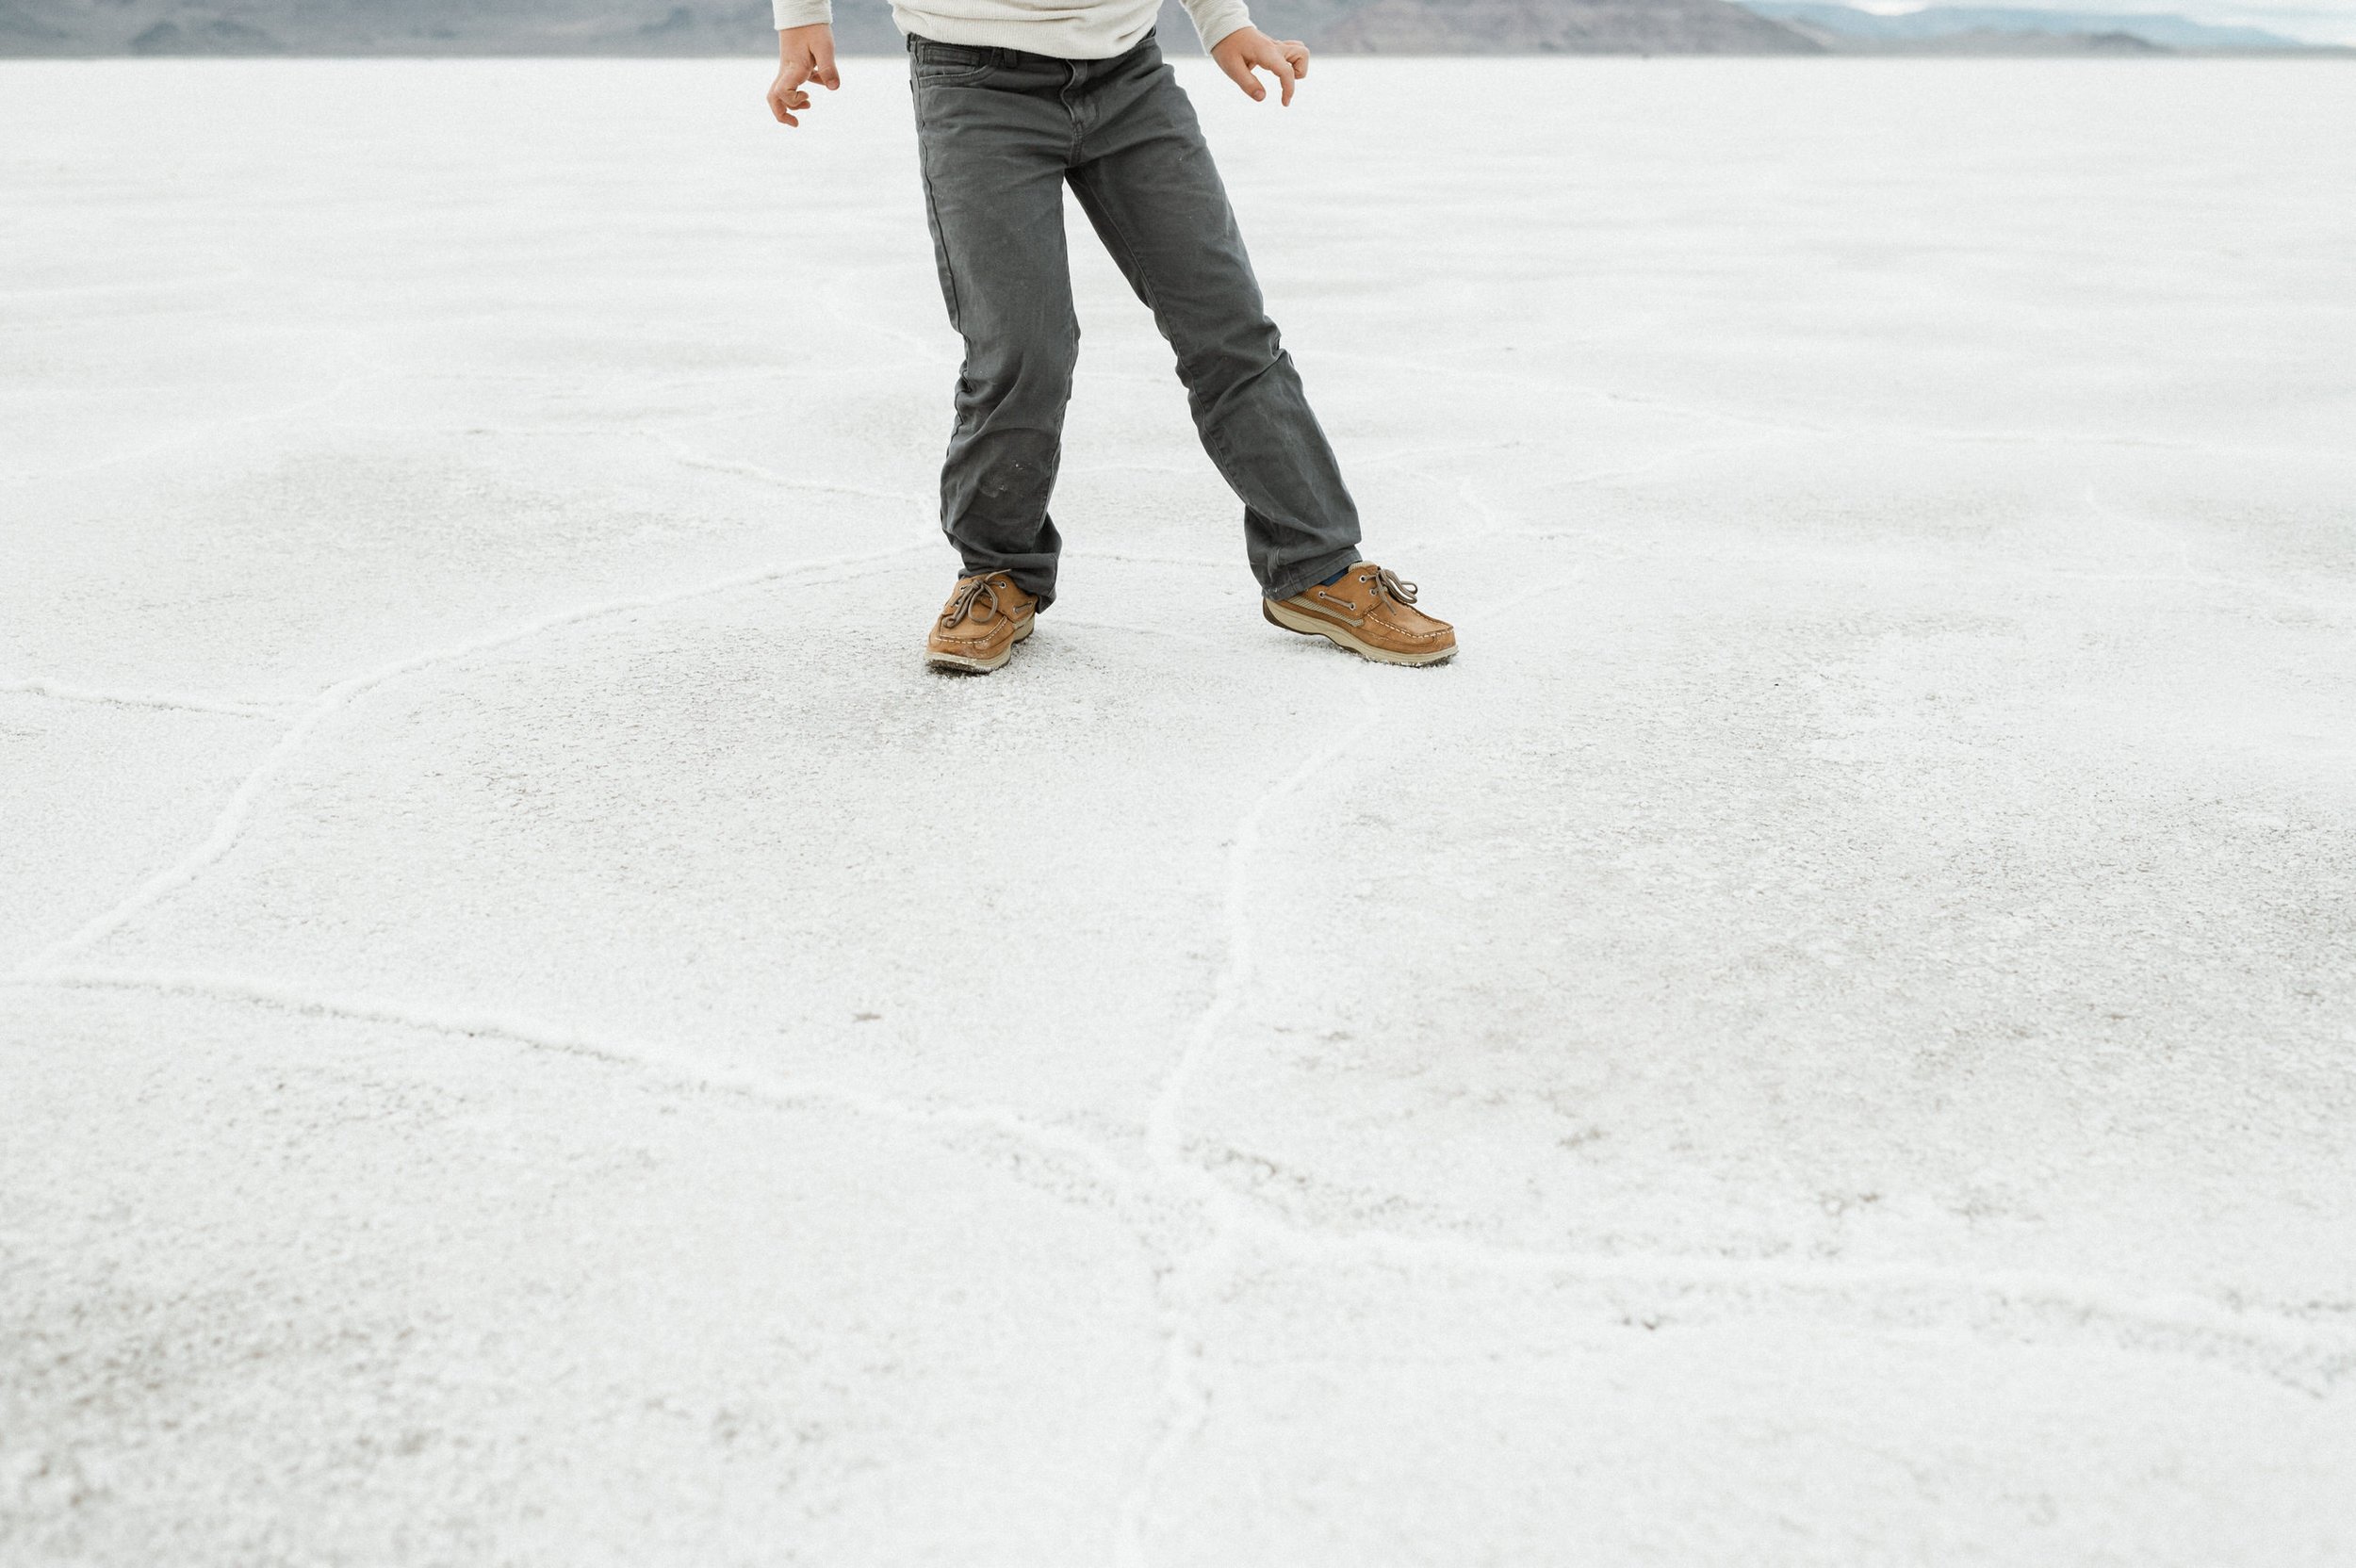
(979, 666)
(1317, 626)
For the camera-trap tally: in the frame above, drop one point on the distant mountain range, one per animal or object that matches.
(1523, 26)
(729, 27)
(1973, 27)
(97, 27)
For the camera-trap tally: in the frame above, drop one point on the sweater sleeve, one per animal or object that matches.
(801, 13)
(1213, 18)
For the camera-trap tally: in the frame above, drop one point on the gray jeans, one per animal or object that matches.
(999, 133)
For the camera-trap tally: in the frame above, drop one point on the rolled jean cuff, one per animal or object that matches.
(1316, 571)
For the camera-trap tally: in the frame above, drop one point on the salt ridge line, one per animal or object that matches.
(2180, 1314)
(1185, 1401)
(229, 825)
(2179, 1311)
(1496, 527)
(682, 453)
(2260, 1328)
(1136, 630)
(58, 691)
(194, 433)
(681, 1068)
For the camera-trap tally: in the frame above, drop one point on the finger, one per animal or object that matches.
(1283, 68)
(823, 67)
(793, 74)
(779, 110)
(1298, 54)
(1241, 74)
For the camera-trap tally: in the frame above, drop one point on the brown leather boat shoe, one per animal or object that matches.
(1370, 612)
(980, 625)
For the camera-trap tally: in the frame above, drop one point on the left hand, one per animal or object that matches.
(1247, 49)
(804, 55)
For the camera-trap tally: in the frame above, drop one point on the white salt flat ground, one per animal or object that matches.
(534, 1032)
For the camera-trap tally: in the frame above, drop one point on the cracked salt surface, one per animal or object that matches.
(532, 1032)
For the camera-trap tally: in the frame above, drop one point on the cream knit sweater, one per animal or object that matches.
(1069, 29)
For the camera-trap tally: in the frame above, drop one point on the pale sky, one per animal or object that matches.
(2316, 21)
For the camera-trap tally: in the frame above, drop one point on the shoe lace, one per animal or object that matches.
(967, 602)
(1388, 582)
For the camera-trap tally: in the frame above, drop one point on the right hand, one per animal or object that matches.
(1248, 49)
(804, 55)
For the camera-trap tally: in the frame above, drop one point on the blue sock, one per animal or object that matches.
(1335, 577)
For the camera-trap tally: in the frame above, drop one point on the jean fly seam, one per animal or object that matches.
(1072, 111)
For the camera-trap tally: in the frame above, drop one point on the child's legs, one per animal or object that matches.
(993, 143)
(1150, 187)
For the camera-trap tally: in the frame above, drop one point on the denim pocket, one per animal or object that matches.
(935, 62)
